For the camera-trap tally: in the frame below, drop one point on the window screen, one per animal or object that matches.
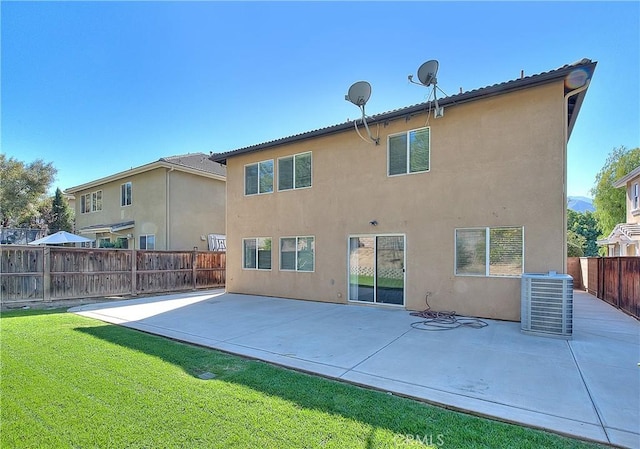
(126, 194)
(258, 178)
(505, 252)
(408, 152)
(297, 253)
(285, 173)
(256, 253)
(471, 250)
(294, 172)
(489, 251)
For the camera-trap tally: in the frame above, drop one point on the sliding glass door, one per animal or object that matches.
(376, 269)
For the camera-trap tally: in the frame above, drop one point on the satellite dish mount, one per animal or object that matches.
(427, 75)
(359, 93)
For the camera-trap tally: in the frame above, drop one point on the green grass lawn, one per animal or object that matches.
(69, 381)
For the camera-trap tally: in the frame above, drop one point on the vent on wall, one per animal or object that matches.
(547, 304)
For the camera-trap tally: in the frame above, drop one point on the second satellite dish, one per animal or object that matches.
(427, 72)
(427, 76)
(359, 93)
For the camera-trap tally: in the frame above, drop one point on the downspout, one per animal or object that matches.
(167, 213)
(564, 181)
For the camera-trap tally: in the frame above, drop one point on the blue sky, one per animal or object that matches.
(100, 87)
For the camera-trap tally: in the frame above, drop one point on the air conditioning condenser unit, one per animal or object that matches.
(547, 304)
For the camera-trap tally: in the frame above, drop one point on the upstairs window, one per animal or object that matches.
(85, 203)
(408, 152)
(635, 196)
(258, 178)
(489, 251)
(91, 202)
(294, 172)
(126, 194)
(148, 241)
(96, 201)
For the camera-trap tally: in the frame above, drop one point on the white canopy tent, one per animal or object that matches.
(59, 238)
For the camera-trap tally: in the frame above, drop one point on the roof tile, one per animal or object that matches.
(453, 99)
(198, 161)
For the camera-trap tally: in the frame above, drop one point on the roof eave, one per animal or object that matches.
(622, 182)
(573, 114)
(485, 92)
(142, 169)
(109, 228)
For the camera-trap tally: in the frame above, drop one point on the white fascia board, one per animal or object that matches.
(623, 181)
(142, 169)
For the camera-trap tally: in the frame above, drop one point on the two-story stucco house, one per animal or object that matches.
(456, 207)
(624, 240)
(174, 203)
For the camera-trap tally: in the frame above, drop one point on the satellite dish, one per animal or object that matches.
(427, 72)
(427, 76)
(359, 93)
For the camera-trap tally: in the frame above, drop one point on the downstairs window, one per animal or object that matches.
(495, 251)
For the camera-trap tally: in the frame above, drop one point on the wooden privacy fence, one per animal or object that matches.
(615, 280)
(46, 273)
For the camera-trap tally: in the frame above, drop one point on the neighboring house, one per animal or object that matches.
(71, 200)
(455, 208)
(173, 203)
(624, 240)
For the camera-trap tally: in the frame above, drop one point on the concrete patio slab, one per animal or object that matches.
(588, 386)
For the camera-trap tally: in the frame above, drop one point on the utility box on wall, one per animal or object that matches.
(547, 304)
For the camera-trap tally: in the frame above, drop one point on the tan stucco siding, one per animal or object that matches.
(174, 206)
(633, 214)
(197, 208)
(494, 162)
(146, 208)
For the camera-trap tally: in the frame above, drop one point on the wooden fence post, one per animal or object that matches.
(134, 272)
(66, 273)
(194, 263)
(46, 273)
(619, 292)
(600, 293)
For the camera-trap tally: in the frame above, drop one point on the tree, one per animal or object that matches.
(583, 224)
(60, 214)
(575, 244)
(22, 187)
(610, 201)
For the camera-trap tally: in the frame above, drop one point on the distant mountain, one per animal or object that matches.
(580, 204)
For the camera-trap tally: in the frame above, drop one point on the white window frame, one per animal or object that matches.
(258, 165)
(146, 241)
(297, 268)
(408, 167)
(96, 203)
(85, 203)
(375, 269)
(123, 194)
(635, 196)
(257, 259)
(487, 272)
(89, 202)
(293, 157)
